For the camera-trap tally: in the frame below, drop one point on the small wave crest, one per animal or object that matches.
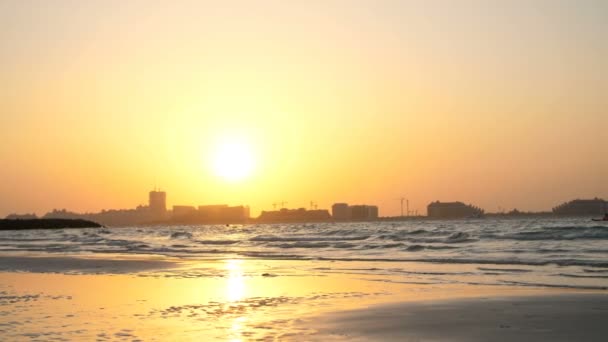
(509, 270)
(217, 242)
(181, 235)
(415, 248)
(583, 276)
(274, 238)
(460, 237)
(302, 244)
(407, 235)
(557, 233)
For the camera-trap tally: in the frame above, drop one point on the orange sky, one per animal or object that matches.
(491, 103)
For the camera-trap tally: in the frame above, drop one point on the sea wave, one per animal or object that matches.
(274, 238)
(556, 233)
(302, 244)
(181, 235)
(217, 242)
(489, 248)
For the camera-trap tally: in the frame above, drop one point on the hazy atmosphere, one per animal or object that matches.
(499, 104)
(314, 170)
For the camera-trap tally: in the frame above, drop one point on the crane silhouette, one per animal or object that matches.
(282, 204)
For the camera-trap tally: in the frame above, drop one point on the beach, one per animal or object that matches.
(139, 299)
(477, 280)
(502, 316)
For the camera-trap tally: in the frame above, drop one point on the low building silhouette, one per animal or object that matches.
(113, 217)
(363, 212)
(62, 214)
(222, 213)
(451, 210)
(582, 207)
(15, 216)
(236, 214)
(294, 215)
(156, 213)
(184, 212)
(360, 212)
(340, 211)
(210, 214)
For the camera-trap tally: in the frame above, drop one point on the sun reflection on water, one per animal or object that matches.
(235, 291)
(235, 282)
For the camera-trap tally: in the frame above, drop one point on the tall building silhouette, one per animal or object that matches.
(157, 201)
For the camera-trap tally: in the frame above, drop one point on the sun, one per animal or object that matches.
(233, 160)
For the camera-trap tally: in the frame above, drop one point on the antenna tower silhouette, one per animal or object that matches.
(407, 206)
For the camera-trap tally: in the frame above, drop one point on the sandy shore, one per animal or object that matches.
(565, 317)
(162, 299)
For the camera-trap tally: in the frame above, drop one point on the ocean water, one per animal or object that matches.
(570, 253)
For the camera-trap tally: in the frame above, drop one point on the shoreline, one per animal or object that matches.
(408, 272)
(91, 264)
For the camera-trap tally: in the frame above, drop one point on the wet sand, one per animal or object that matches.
(564, 317)
(163, 299)
(46, 264)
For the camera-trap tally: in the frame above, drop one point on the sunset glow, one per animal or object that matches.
(313, 170)
(233, 160)
(430, 101)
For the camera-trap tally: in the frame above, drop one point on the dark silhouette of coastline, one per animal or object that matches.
(156, 213)
(20, 224)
